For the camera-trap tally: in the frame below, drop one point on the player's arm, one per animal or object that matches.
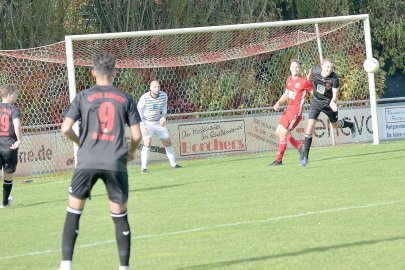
(18, 133)
(309, 75)
(163, 120)
(67, 130)
(135, 140)
(282, 100)
(309, 86)
(333, 104)
(141, 107)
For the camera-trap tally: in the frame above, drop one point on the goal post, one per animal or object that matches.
(270, 31)
(222, 82)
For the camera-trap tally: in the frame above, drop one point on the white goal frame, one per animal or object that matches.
(363, 17)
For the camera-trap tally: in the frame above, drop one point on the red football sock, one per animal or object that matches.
(282, 145)
(293, 141)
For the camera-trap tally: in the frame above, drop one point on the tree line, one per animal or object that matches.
(33, 23)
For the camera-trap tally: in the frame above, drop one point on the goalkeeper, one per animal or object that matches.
(152, 107)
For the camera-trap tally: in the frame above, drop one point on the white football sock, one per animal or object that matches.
(170, 154)
(65, 265)
(144, 156)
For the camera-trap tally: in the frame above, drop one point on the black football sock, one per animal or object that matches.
(307, 145)
(123, 237)
(7, 186)
(346, 124)
(70, 233)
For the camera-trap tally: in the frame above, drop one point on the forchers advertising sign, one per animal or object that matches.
(212, 137)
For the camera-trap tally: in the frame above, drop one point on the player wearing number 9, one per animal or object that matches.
(10, 139)
(104, 111)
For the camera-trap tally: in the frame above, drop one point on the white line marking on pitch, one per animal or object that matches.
(213, 227)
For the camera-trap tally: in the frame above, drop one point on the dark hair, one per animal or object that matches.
(7, 89)
(104, 63)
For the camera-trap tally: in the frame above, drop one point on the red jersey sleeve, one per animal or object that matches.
(307, 85)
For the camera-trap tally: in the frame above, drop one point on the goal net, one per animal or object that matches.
(221, 82)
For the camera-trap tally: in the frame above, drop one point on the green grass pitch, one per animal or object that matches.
(344, 210)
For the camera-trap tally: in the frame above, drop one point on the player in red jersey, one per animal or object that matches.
(297, 87)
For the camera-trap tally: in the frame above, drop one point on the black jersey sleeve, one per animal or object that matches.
(73, 109)
(132, 111)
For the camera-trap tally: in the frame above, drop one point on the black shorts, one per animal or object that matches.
(9, 160)
(116, 184)
(318, 106)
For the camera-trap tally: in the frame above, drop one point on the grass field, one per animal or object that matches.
(345, 210)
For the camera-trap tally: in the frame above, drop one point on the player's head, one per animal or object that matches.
(327, 67)
(9, 91)
(295, 67)
(155, 88)
(104, 64)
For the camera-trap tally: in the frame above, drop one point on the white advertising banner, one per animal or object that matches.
(51, 152)
(393, 122)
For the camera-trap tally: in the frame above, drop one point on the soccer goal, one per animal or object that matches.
(222, 82)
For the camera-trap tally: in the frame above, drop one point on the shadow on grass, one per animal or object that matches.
(291, 254)
(104, 194)
(165, 186)
(365, 154)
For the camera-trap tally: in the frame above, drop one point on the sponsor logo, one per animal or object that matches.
(212, 137)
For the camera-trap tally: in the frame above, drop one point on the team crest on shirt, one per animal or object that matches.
(297, 85)
(327, 85)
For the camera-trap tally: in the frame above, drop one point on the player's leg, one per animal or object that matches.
(314, 111)
(117, 189)
(282, 132)
(164, 136)
(71, 230)
(293, 124)
(9, 163)
(296, 144)
(7, 187)
(344, 123)
(145, 153)
(171, 155)
(147, 133)
(119, 216)
(79, 191)
(308, 141)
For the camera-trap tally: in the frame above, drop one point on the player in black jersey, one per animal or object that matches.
(104, 111)
(10, 139)
(325, 95)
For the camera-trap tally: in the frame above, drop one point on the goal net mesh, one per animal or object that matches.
(221, 87)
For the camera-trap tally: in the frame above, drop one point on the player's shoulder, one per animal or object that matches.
(316, 71)
(145, 95)
(334, 75)
(302, 78)
(162, 94)
(9, 106)
(15, 107)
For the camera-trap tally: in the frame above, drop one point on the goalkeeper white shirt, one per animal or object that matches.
(152, 109)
